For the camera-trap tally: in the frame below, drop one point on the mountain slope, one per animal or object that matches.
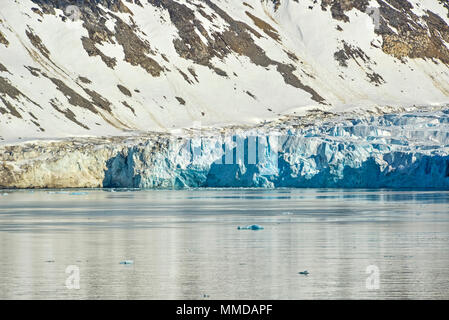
(111, 67)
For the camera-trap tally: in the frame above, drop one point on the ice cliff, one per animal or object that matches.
(397, 150)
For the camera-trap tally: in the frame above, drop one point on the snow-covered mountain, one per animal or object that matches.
(111, 67)
(224, 93)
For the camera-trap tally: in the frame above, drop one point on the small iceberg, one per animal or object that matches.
(305, 272)
(127, 262)
(78, 193)
(251, 227)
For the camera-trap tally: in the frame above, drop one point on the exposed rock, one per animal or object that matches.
(248, 5)
(34, 71)
(265, 27)
(99, 100)
(3, 68)
(67, 113)
(136, 50)
(84, 80)
(350, 52)
(124, 90)
(251, 95)
(193, 73)
(92, 50)
(37, 43)
(72, 96)
(12, 110)
(37, 11)
(375, 78)
(339, 7)
(185, 76)
(129, 107)
(3, 40)
(414, 38)
(181, 100)
(7, 89)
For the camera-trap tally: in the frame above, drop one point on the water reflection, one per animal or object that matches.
(185, 244)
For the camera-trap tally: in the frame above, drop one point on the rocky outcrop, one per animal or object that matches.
(412, 36)
(3, 40)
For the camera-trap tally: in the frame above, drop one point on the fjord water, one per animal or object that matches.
(185, 244)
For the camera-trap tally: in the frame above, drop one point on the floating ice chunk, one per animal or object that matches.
(251, 227)
(78, 193)
(127, 262)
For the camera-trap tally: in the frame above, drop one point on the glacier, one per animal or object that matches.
(409, 149)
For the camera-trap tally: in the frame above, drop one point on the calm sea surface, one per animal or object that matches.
(186, 245)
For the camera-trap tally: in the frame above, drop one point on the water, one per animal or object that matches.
(185, 244)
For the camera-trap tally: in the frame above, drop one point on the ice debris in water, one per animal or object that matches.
(127, 262)
(251, 227)
(78, 193)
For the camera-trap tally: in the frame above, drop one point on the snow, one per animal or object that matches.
(214, 100)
